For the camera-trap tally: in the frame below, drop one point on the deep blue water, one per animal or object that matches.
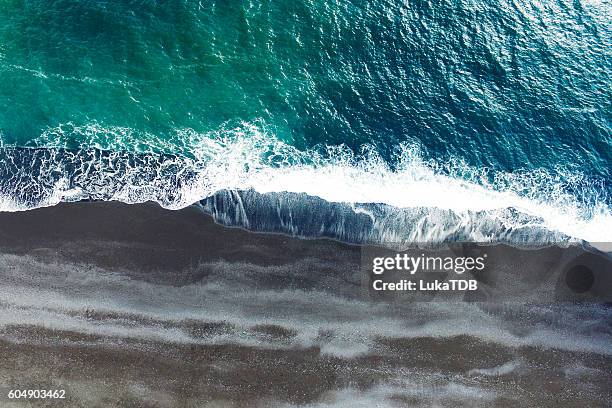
(499, 108)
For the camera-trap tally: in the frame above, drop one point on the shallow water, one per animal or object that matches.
(136, 305)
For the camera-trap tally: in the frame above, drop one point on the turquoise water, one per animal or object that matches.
(462, 106)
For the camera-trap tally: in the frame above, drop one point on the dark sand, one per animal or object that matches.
(139, 306)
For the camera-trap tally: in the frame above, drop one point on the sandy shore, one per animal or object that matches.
(139, 306)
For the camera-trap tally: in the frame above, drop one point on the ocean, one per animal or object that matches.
(135, 134)
(458, 120)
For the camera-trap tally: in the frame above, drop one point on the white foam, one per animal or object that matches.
(496, 371)
(33, 292)
(248, 157)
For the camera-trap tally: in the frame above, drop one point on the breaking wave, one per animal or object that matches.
(244, 176)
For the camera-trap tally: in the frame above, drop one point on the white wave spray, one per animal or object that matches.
(190, 166)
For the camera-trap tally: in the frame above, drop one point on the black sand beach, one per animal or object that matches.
(137, 306)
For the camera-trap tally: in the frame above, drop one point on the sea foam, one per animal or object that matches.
(451, 200)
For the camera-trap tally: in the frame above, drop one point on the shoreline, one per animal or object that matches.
(523, 207)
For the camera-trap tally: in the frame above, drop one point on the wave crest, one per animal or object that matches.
(450, 198)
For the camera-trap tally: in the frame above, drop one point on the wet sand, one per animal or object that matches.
(133, 305)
